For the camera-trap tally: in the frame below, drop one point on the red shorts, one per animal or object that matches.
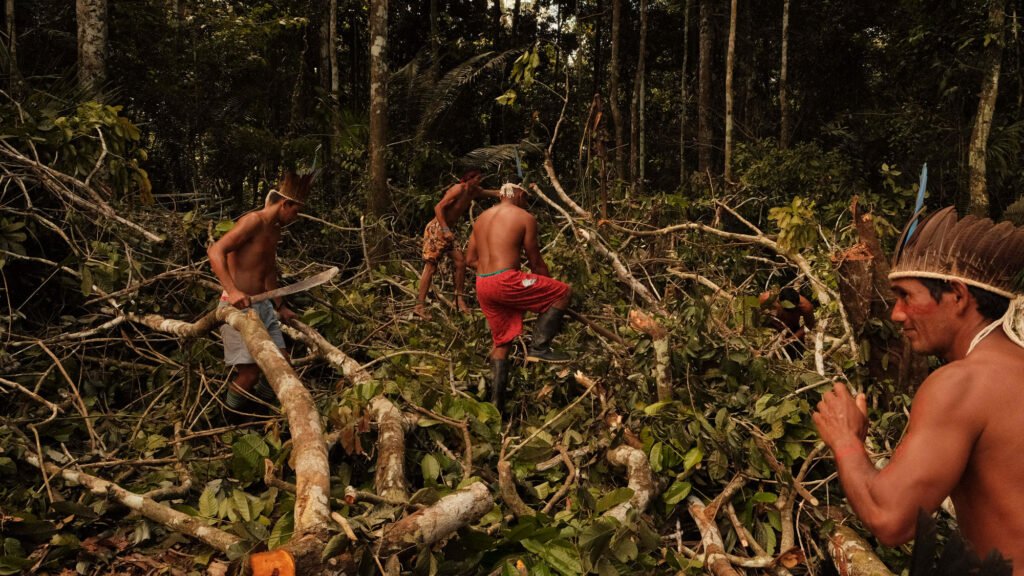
(506, 295)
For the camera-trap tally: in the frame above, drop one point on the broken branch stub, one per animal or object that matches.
(389, 479)
(646, 324)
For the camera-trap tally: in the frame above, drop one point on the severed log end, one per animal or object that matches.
(645, 323)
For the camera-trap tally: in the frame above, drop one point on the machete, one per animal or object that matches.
(300, 286)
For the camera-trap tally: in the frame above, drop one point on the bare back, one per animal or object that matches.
(500, 234)
(457, 200)
(988, 499)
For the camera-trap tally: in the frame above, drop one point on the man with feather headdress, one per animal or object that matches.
(958, 296)
(245, 262)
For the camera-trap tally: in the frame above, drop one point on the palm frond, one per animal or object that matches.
(444, 93)
(497, 155)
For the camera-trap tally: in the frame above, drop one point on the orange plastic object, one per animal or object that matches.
(276, 563)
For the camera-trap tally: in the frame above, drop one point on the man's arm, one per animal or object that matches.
(241, 234)
(807, 311)
(449, 198)
(926, 466)
(531, 245)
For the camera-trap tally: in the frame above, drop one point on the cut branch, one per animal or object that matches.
(389, 480)
(641, 481)
(852, 555)
(177, 521)
(646, 324)
(439, 521)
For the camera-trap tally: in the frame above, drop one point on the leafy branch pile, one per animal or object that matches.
(680, 439)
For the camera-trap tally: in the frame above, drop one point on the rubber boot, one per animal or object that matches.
(237, 407)
(499, 380)
(544, 331)
(264, 392)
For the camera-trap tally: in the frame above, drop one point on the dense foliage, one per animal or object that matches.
(206, 102)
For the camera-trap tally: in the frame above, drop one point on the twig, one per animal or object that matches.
(582, 379)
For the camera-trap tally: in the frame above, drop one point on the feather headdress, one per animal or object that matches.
(508, 190)
(295, 187)
(972, 250)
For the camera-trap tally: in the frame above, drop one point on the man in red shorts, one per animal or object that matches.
(439, 239)
(500, 235)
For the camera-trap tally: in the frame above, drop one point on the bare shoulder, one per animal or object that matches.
(954, 390)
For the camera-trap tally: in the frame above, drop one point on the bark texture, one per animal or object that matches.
(389, 479)
(379, 200)
(704, 90)
(785, 128)
(729, 68)
(852, 555)
(309, 453)
(439, 521)
(643, 322)
(92, 43)
(641, 480)
(979, 201)
(613, 91)
(684, 95)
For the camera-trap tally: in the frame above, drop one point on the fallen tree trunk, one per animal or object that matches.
(389, 479)
(309, 453)
(444, 518)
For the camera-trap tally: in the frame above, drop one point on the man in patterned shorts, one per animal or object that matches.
(500, 235)
(438, 238)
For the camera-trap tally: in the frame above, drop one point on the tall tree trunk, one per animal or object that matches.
(92, 43)
(515, 23)
(704, 90)
(333, 51)
(729, 65)
(496, 24)
(684, 96)
(613, 92)
(642, 116)
(435, 38)
(596, 56)
(979, 198)
(636, 111)
(379, 200)
(785, 129)
(12, 47)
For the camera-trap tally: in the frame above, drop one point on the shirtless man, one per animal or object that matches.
(966, 431)
(438, 238)
(500, 235)
(785, 313)
(245, 262)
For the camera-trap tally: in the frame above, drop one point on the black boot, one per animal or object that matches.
(264, 392)
(544, 332)
(499, 379)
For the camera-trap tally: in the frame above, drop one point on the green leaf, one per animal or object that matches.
(208, 505)
(430, 467)
(241, 504)
(336, 545)
(693, 457)
(559, 554)
(614, 498)
(676, 492)
(282, 531)
(594, 538)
